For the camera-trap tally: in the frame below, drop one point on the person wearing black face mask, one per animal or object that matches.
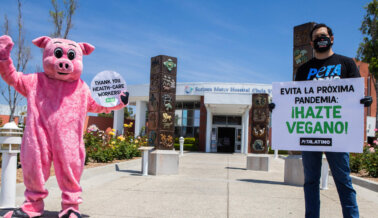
(322, 43)
(326, 65)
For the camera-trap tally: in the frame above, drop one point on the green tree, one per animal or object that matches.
(368, 49)
(63, 17)
(128, 112)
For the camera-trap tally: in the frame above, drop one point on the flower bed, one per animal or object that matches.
(105, 146)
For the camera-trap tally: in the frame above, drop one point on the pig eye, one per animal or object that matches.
(71, 54)
(58, 52)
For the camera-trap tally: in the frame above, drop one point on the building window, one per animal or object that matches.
(178, 117)
(222, 120)
(187, 119)
(197, 114)
(234, 120)
(184, 117)
(227, 120)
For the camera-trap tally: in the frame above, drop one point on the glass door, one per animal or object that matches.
(238, 137)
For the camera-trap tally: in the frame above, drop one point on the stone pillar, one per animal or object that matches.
(161, 116)
(293, 173)
(260, 123)
(302, 51)
(140, 116)
(118, 121)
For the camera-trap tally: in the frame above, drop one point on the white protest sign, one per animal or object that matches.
(323, 115)
(106, 87)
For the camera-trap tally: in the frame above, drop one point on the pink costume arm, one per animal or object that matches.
(93, 107)
(21, 82)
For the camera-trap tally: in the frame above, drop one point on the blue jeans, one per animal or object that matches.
(339, 165)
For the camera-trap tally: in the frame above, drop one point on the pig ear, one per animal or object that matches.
(42, 41)
(86, 48)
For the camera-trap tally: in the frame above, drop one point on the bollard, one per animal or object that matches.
(145, 163)
(146, 152)
(181, 140)
(275, 154)
(10, 141)
(325, 173)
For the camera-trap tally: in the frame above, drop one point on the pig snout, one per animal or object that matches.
(63, 66)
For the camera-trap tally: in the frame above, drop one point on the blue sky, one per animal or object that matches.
(214, 41)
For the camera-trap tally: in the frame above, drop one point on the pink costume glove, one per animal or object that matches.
(6, 46)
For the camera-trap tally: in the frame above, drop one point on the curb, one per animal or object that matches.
(87, 173)
(365, 183)
(373, 186)
(101, 170)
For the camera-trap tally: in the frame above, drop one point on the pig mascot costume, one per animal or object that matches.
(58, 102)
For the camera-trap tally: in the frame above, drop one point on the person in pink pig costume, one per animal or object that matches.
(58, 102)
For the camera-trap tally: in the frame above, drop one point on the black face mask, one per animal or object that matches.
(322, 44)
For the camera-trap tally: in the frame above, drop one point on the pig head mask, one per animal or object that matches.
(62, 58)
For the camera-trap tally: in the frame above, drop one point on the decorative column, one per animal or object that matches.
(302, 51)
(118, 121)
(260, 123)
(140, 116)
(161, 107)
(259, 160)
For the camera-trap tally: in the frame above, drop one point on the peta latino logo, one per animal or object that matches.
(188, 89)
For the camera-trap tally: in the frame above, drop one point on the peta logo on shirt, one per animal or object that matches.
(328, 72)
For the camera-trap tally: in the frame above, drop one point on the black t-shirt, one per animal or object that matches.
(333, 67)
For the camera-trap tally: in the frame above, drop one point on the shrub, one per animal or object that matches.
(355, 162)
(105, 147)
(97, 148)
(370, 159)
(366, 161)
(187, 147)
(190, 140)
(370, 164)
(283, 152)
(190, 144)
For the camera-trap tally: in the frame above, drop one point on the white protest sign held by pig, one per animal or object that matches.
(318, 115)
(106, 87)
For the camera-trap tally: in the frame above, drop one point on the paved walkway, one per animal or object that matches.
(208, 185)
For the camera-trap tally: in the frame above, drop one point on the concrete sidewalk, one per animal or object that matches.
(208, 185)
